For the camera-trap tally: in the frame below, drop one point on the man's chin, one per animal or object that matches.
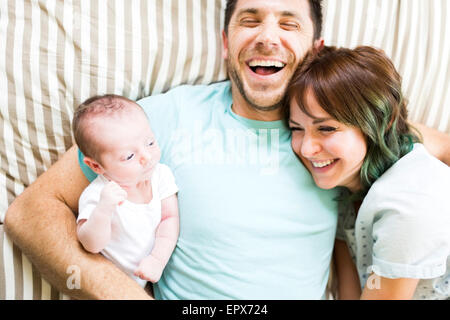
(263, 103)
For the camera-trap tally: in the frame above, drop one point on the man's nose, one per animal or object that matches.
(269, 37)
(311, 146)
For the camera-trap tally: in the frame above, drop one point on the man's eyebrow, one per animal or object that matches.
(284, 13)
(289, 14)
(248, 10)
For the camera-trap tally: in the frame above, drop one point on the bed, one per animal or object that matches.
(54, 54)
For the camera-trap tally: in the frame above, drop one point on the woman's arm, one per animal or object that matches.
(381, 288)
(437, 143)
(349, 287)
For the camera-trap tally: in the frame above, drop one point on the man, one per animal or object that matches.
(252, 223)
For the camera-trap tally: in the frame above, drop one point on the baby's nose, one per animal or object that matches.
(144, 159)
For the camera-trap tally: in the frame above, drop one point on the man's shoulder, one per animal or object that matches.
(186, 95)
(184, 105)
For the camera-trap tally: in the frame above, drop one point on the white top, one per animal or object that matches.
(133, 225)
(402, 229)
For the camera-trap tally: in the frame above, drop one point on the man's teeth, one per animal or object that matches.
(266, 63)
(322, 163)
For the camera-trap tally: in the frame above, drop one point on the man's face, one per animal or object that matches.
(266, 41)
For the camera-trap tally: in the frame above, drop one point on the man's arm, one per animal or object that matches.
(42, 223)
(437, 143)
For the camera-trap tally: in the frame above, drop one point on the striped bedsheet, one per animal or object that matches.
(54, 54)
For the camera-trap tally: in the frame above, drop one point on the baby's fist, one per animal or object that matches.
(112, 194)
(150, 269)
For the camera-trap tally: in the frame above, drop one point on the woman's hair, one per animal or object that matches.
(360, 88)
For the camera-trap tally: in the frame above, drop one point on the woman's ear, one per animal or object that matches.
(94, 165)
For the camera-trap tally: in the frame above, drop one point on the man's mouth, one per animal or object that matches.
(266, 67)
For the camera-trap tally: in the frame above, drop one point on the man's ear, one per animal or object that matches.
(225, 45)
(94, 165)
(318, 45)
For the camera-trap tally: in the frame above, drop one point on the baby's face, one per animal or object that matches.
(129, 149)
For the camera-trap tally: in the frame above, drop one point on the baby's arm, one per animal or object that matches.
(151, 267)
(95, 232)
(382, 288)
(349, 287)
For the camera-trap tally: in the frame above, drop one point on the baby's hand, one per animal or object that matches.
(112, 194)
(150, 269)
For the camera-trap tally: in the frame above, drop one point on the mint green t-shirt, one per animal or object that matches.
(253, 225)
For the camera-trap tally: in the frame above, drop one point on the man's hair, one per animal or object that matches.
(315, 14)
(98, 106)
(360, 88)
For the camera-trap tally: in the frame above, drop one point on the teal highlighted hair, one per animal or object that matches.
(361, 88)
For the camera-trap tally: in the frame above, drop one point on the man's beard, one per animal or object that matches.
(238, 82)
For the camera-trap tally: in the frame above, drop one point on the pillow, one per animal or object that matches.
(414, 34)
(59, 53)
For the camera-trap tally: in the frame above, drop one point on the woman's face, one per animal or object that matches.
(332, 151)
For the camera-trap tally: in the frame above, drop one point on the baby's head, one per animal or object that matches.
(115, 137)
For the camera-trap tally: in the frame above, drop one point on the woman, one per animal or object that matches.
(349, 128)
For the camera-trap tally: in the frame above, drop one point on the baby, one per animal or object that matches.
(129, 212)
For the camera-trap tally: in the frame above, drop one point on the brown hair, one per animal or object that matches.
(106, 105)
(361, 88)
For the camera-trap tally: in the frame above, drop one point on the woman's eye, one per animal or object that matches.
(327, 129)
(130, 156)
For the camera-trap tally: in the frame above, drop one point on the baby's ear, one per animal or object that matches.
(94, 165)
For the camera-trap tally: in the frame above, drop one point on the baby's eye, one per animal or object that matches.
(151, 143)
(130, 156)
(296, 129)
